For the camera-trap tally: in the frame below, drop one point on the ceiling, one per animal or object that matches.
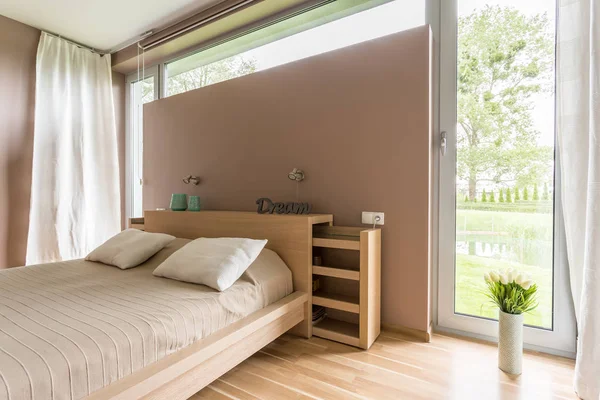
(101, 24)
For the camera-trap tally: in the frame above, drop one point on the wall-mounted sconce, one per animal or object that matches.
(194, 180)
(296, 175)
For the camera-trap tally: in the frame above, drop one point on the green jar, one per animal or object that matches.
(194, 203)
(178, 202)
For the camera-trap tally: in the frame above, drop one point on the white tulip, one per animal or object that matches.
(526, 284)
(519, 279)
(486, 277)
(509, 275)
(494, 276)
(504, 278)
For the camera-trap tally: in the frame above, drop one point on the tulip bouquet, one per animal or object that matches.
(511, 291)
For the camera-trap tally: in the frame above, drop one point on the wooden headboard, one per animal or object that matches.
(290, 236)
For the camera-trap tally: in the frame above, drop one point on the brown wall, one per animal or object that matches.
(357, 120)
(18, 48)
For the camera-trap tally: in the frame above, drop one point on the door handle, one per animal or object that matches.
(443, 143)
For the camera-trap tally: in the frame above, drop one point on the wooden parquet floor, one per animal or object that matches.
(396, 367)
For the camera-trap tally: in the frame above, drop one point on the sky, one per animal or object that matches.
(379, 21)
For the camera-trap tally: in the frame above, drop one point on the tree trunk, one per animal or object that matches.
(472, 186)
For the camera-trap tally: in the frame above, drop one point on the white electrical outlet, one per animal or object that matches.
(368, 218)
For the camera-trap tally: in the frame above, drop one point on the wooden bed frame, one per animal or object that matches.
(182, 374)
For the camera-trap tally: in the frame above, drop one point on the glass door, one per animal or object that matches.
(499, 186)
(142, 88)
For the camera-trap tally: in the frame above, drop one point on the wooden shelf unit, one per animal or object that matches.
(366, 303)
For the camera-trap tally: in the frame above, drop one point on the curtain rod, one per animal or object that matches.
(139, 39)
(197, 24)
(83, 46)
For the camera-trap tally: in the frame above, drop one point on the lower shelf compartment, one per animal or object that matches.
(338, 331)
(337, 301)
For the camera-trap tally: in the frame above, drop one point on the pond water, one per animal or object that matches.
(501, 247)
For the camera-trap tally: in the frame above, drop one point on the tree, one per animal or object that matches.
(525, 194)
(209, 74)
(508, 196)
(546, 194)
(147, 90)
(517, 196)
(492, 199)
(501, 196)
(536, 195)
(483, 197)
(504, 57)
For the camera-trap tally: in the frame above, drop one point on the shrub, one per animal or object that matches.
(501, 196)
(483, 197)
(544, 207)
(546, 194)
(536, 195)
(508, 196)
(517, 196)
(492, 199)
(525, 194)
(466, 198)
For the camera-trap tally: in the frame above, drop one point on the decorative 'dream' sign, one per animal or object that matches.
(266, 206)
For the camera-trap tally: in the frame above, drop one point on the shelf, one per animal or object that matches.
(339, 331)
(337, 301)
(337, 242)
(350, 274)
(339, 231)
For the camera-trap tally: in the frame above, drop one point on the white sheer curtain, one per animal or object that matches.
(578, 124)
(75, 199)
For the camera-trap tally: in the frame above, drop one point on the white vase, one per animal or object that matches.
(510, 343)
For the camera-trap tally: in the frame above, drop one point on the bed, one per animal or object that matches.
(80, 329)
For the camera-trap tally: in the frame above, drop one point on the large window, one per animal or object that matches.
(300, 36)
(499, 190)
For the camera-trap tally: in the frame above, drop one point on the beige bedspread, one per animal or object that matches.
(68, 329)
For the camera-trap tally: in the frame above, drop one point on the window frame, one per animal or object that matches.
(561, 340)
(131, 79)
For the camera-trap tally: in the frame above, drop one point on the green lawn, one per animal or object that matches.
(470, 298)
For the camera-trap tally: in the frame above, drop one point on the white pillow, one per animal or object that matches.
(130, 248)
(216, 263)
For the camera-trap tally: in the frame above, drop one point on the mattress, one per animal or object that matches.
(70, 328)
